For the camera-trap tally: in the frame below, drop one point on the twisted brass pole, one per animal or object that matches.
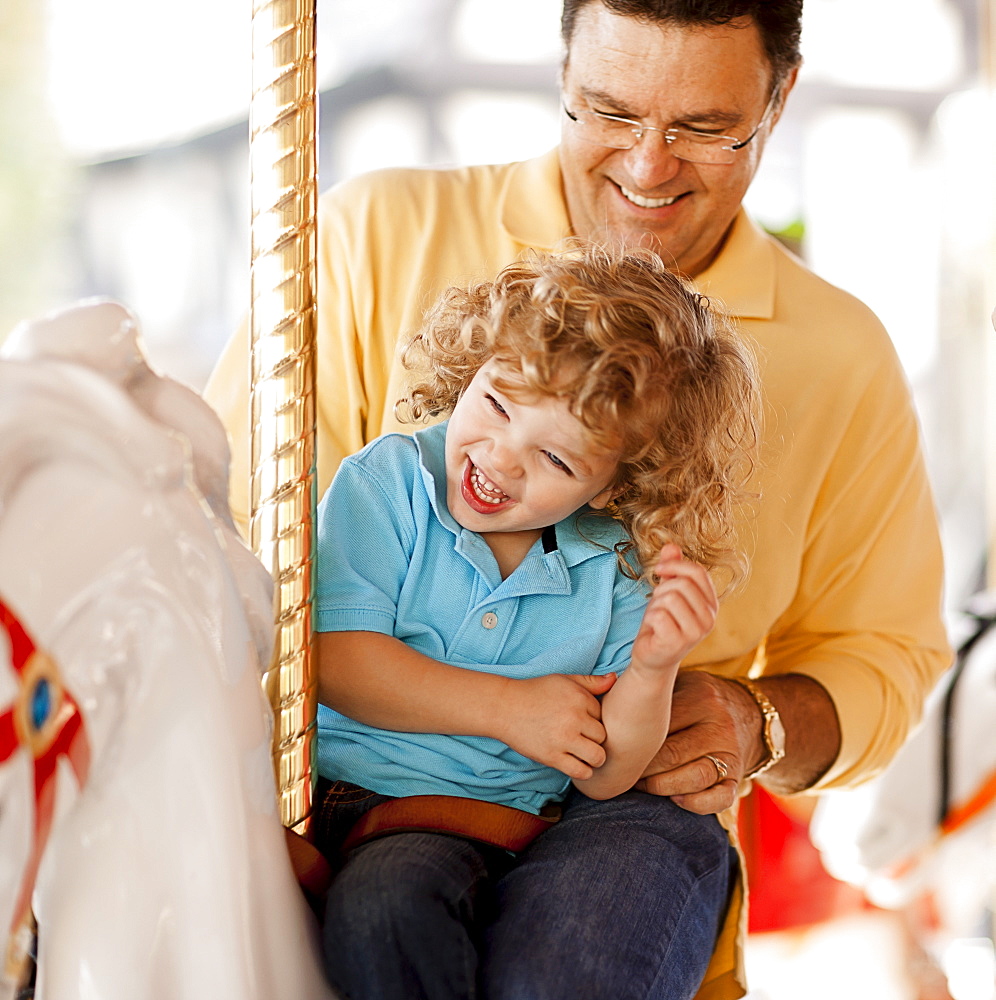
(283, 163)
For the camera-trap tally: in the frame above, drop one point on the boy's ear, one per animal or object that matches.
(605, 497)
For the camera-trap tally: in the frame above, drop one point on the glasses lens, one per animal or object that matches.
(619, 133)
(697, 148)
(603, 131)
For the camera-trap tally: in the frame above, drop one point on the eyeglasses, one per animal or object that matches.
(686, 144)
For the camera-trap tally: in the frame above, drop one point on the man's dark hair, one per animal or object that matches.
(778, 21)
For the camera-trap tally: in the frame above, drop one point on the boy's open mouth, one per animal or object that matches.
(480, 488)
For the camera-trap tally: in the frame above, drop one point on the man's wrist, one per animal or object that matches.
(812, 730)
(772, 730)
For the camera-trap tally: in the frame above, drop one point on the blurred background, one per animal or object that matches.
(123, 168)
(124, 172)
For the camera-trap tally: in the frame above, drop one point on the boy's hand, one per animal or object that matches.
(556, 720)
(680, 613)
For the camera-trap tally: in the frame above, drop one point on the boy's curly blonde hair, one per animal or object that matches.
(644, 365)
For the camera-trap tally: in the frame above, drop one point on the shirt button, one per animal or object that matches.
(489, 620)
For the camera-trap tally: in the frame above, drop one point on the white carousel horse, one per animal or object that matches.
(922, 835)
(135, 771)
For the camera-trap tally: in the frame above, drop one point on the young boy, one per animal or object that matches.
(483, 584)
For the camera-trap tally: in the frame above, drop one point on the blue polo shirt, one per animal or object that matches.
(392, 559)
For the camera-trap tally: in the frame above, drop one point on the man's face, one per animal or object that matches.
(712, 78)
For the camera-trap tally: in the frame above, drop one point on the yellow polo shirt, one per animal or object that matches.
(846, 572)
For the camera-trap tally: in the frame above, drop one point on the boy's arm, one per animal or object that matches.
(380, 681)
(366, 537)
(635, 712)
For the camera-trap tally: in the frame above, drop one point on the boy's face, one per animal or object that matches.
(519, 464)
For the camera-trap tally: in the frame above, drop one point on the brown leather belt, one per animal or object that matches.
(487, 822)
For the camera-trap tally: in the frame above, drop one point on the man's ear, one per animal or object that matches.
(785, 88)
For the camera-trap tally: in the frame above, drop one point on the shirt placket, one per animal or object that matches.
(485, 631)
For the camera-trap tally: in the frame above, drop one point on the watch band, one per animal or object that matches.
(773, 732)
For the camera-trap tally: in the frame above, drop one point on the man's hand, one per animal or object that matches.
(709, 715)
(555, 720)
(716, 716)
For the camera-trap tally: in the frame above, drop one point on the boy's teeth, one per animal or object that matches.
(485, 490)
(647, 202)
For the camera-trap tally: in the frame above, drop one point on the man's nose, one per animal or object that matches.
(650, 163)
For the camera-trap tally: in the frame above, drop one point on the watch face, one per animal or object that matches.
(777, 733)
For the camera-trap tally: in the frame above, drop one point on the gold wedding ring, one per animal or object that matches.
(721, 769)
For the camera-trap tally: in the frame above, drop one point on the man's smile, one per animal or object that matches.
(637, 199)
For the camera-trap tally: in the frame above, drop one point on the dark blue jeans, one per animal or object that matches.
(620, 899)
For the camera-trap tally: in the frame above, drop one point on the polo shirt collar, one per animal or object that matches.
(573, 546)
(741, 280)
(531, 205)
(430, 443)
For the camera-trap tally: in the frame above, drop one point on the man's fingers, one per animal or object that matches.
(689, 778)
(707, 725)
(715, 799)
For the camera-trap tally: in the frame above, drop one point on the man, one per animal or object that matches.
(667, 106)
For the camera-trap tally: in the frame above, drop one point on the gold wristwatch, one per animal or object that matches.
(773, 732)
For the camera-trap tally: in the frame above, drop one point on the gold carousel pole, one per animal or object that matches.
(283, 163)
